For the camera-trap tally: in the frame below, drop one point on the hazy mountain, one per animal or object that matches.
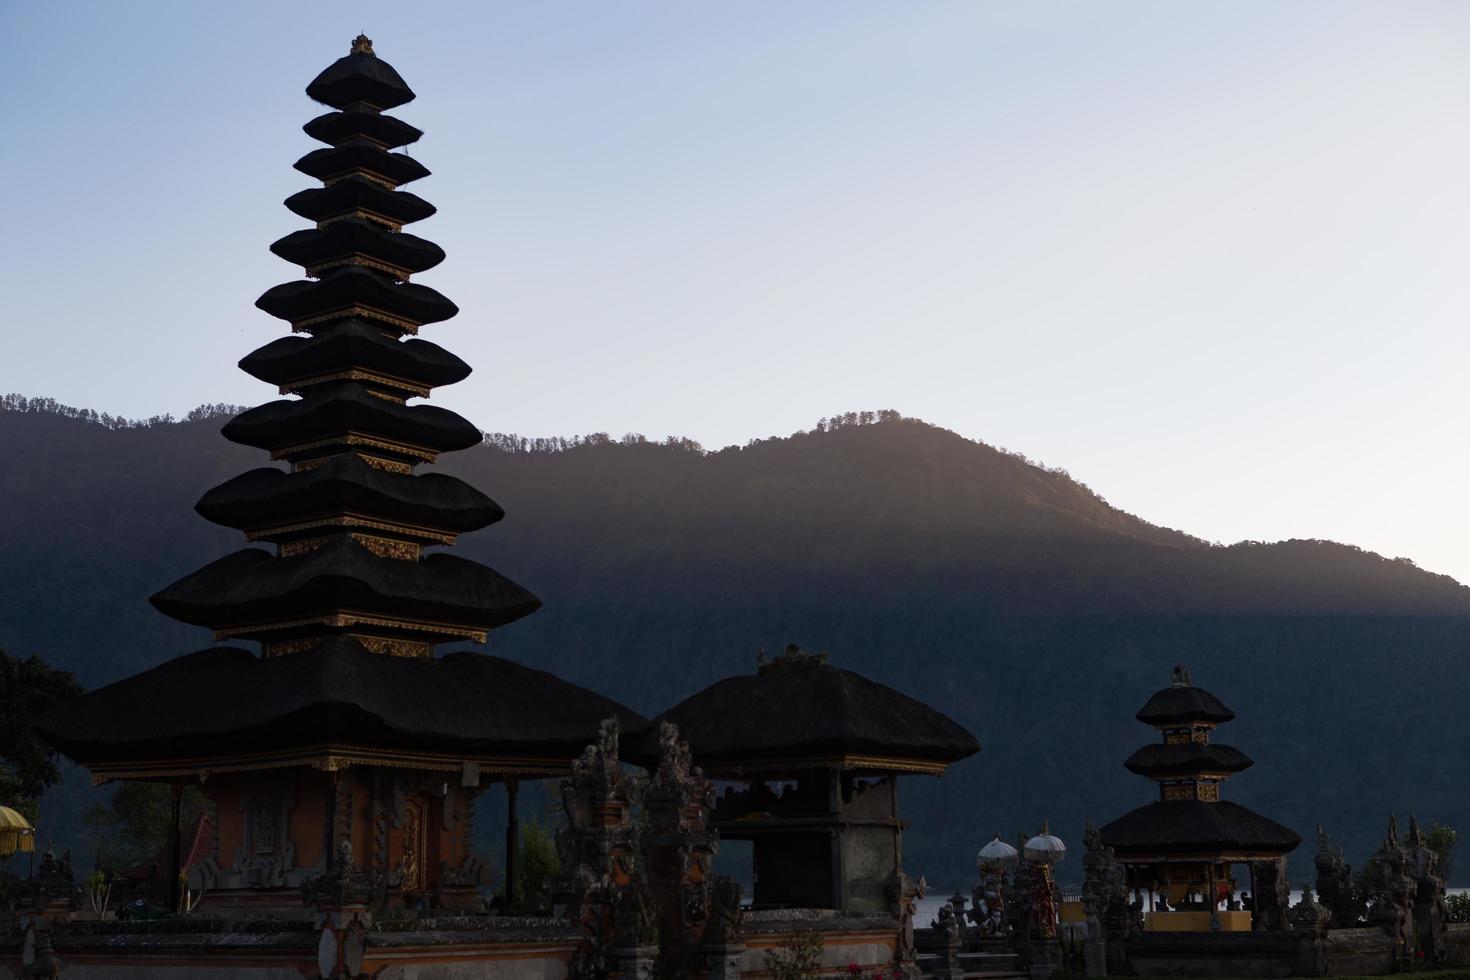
(1008, 595)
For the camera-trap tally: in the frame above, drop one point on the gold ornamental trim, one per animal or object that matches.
(377, 644)
(382, 547)
(351, 438)
(413, 388)
(376, 178)
(376, 462)
(886, 763)
(365, 215)
(328, 757)
(390, 647)
(352, 520)
(355, 309)
(357, 258)
(345, 619)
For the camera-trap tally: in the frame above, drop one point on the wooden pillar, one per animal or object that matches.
(512, 845)
(1250, 868)
(834, 810)
(897, 822)
(176, 791)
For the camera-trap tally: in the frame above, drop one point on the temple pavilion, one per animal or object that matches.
(808, 756)
(1180, 849)
(345, 737)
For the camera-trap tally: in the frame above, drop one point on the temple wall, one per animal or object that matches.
(229, 818)
(475, 966)
(307, 818)
(362, 819)
(1226, 954)
(869, 855)
(1457, 944)
(180, 971)
(870, 943)
(1367, 951)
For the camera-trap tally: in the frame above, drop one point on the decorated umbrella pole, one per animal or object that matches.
(1045, 850)
(16, 833)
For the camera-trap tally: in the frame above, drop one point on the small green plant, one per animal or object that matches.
(798, 958)
(1457, 908)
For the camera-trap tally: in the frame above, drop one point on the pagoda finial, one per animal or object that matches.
(1181, 675)
(362, 44)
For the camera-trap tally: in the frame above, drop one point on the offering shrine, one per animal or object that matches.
(808, 758)
(1180, 849)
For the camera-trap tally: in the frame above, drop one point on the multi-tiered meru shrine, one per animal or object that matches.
(1180, 848)
(345, 735)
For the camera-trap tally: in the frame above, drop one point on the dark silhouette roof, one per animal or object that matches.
(1194, 827)
(354, 285)
(1187, 758)
(350, 408)
(360, 77)
(338, 127)
(1182, 704)
(351, 194)
(253, 585)
(804, 708)
(356, 236)
(225, 700)
(347, 484)
(357, 343)
(330, 162)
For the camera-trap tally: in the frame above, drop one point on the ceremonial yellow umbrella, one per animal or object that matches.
(16, 833)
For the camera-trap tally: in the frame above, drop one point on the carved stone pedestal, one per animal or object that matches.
(1095, 957)
(1046, 960)
(36, 959)
(634, 962)
(723, 962)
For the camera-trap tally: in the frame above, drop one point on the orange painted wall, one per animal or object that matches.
(307, 816)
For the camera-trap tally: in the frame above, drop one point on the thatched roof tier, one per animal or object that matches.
(359, 196)
(224, 699)
(1183, 705)
(318, 248)
(354, 344)
(1187, 758)
(360, 77)
(346, 485)
(356, 291)
(252, 587)
(339, 127)
(361, 158)
(802, 710)
(330, 416)
(1193, 829)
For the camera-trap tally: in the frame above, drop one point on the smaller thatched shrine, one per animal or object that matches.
(810, 755)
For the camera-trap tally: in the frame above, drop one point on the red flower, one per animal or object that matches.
(854, 969)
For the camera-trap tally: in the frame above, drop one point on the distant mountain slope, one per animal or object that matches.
(1008, 595)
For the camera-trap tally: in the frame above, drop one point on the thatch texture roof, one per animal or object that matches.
(805, 708)
(224, 700)
(1195, 827)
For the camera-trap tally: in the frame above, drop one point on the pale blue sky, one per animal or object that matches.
(1208, 256)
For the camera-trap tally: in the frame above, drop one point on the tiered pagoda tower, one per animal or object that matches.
(346, 734)
(1181, 846)
(350, 519)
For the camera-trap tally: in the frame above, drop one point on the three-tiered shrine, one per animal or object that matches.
(1180, 848)
(346, 741)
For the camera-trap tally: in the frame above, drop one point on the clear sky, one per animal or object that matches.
(1208, 256)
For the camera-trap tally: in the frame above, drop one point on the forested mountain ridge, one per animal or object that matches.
(1006, 594)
